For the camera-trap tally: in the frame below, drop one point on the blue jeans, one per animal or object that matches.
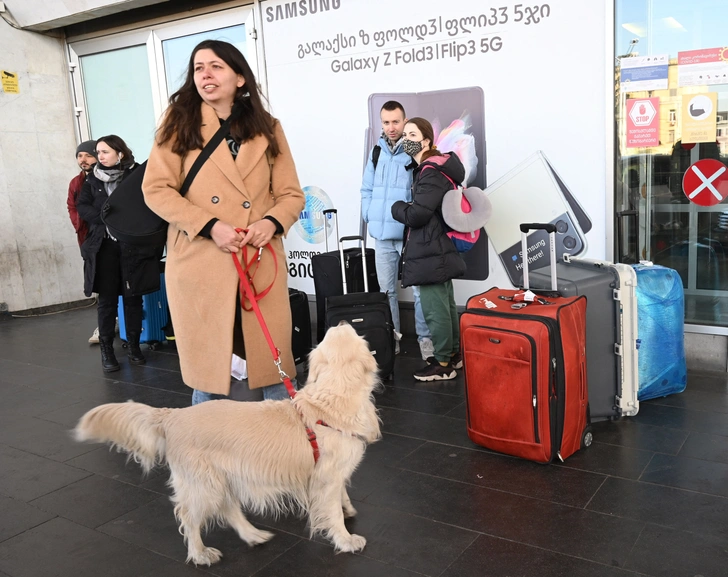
(271, 393)
(387, 253)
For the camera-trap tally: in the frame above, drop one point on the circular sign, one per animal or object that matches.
(706, 182)
(700, 107)
(311, 224)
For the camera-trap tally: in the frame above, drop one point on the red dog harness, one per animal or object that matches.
(248, 292)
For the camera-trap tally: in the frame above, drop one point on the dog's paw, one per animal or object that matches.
(351, 544)
(257, 537)
(207, 556)
(349, 511)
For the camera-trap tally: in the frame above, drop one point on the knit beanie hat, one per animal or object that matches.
(88, 146)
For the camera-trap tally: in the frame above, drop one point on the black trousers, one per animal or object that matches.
(108, 284)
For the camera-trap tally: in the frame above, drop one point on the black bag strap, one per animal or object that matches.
(376, 151)
(206, 152)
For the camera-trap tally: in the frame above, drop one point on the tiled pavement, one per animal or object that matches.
(650, 497)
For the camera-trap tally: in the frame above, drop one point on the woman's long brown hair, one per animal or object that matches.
(183, 120)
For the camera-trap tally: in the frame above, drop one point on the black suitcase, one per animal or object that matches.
(367, 312)
(328, 280)
(301, 342)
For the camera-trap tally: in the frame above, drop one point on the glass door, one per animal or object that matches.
(123, 81)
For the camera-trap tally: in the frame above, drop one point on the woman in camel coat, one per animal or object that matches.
(235, 188)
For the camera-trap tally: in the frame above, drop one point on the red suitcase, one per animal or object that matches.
(525, 369)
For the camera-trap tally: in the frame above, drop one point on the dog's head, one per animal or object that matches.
(342, 376)
(343, 348)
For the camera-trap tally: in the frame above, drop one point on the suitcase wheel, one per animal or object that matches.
(587, 437)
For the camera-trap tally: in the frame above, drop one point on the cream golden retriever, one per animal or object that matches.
(226, 454)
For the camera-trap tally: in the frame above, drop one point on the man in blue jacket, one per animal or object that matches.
(387, 179)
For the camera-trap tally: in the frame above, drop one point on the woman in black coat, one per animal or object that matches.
(112, 268)
(429, 258)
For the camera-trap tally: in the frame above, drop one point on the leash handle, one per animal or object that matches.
(249, 292)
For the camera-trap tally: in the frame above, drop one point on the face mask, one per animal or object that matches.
(411, 147)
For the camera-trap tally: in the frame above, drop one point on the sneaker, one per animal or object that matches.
(456, 361)
(94, 338)
(434, 371)
(427, 349)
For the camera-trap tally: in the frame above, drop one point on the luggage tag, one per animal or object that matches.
(488, 303)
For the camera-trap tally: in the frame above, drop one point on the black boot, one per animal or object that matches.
(133, 351)
(108, 358)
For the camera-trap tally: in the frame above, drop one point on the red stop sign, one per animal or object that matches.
(706, 182)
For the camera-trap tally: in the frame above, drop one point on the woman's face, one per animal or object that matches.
(216, 82)
(411, 132)
(107, 156)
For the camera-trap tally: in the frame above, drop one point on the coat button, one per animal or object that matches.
(215, 199)
(246, 204)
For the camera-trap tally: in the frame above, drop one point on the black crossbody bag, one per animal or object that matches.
(128, 217)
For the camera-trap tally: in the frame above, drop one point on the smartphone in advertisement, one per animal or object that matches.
(442, 107)
(533, 192)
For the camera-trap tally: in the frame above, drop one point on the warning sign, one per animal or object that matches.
(699, 115)
(706, 182)
(10, 82)
(643, 122)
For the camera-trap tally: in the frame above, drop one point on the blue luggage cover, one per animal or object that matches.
(661, 314)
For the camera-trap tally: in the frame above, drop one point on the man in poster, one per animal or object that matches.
(387, 179)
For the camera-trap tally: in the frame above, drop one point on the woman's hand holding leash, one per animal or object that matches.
(226, 237)
(259, 233)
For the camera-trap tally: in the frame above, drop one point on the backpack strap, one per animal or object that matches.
(454, 184)
(376, 151)
(205, 154)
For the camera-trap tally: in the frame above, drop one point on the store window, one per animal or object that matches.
(671, 102)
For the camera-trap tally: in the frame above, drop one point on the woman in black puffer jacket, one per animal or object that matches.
(429, 258)
(113, 268)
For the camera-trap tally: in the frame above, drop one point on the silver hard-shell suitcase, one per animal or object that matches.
(611, 330)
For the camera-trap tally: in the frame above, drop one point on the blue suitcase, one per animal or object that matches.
(661, 314)
(155, 315)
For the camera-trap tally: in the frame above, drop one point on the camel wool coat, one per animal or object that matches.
(202, 282)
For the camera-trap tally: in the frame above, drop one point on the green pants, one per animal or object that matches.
(441, 315)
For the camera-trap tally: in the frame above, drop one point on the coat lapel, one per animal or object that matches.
(250, 153)
(221, 156)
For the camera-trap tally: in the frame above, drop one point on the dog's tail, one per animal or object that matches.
(132, 427)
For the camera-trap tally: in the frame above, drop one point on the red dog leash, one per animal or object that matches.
(247, 289)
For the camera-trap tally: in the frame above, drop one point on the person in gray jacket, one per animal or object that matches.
(388, 179)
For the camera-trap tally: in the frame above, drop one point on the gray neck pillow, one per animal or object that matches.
(466, 209)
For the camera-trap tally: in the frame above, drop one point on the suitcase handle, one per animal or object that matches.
(362, 244)
(548, 227)
(551, 229)
(336, 222)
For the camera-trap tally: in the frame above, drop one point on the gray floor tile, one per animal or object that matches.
(555, 484)
(669, 553)
(558, 528)
(17, 517)
(62, 548)
(40, 437)
(706, 447)
(25, 477)
(631, 432)
(666, 506)
(492, 557)
(686, 473)
(310, 559)
(94, 500)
